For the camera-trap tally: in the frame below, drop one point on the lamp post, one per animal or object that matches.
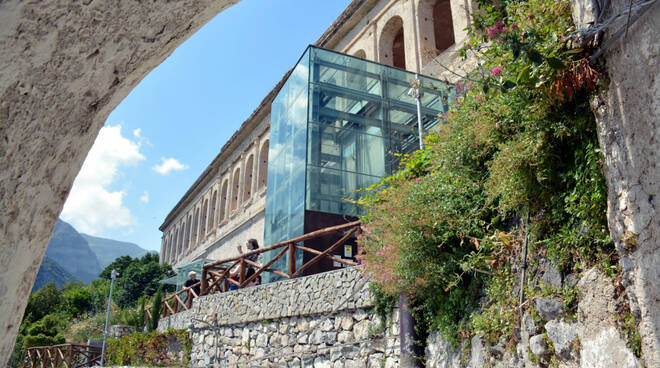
(113, 276)
(415, 92)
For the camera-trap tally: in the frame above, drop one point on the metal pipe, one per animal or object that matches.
(407, 335)
(113, 277)
(524, 267)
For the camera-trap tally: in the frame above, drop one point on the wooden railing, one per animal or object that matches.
(175, 303)
(67, 355)
(217, 276)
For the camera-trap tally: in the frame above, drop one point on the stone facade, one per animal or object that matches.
(323, 320)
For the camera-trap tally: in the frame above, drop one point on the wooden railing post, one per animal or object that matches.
(203, 289)
(69, 355)
(292, 259)
(242, 271)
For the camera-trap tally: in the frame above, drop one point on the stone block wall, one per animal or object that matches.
(323, 320)
(350, 338)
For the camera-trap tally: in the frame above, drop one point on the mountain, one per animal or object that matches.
(51, 271)
(107, 250)
(71, 251)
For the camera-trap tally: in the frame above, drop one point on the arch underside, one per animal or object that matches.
(65, 66)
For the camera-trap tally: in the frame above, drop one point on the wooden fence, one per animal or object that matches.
(65, 355)
(175, 303)
(217, 276)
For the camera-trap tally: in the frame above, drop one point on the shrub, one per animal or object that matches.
(520, 140)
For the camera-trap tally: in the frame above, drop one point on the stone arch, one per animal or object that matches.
(391, 45)
(195, 229)
(179, 242)
(168, 253)
(235, 187)
(175, 246)
(436, 26)
(163, 247)
(48, 142)
(214, 200)
(224, 193)
(361, 54)
(247, 182)
(263, 164)
(202, 221)
(188, 232)
(443, 25)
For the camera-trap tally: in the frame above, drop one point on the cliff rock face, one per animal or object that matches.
(64, 66)
(71, 251)
(629, 132)
(50, 271)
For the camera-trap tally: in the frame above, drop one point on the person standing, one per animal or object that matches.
(192, 281)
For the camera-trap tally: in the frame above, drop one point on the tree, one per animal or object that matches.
(44, 332)
(76, 299)
(140, 277)
(156, 305)
(46, 300)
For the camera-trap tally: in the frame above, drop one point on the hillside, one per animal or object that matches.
(106, 250)
(72, 253)
(51, 271)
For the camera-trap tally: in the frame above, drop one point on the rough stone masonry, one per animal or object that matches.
(64, 66)
(323, 320)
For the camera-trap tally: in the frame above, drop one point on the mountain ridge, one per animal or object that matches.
(107, 250)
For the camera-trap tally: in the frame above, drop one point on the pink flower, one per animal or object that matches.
(458, 85)
(496, 71)
(492, 32)
(419, 179)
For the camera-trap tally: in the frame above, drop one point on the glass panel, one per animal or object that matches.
(286, 163)
(336, 127)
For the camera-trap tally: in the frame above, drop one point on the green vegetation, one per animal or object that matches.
(149, 348)
(138, 276)
(448, 228)
(76, 312)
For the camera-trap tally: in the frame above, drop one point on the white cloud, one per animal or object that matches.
(168, 165)
(145, 197)
(137, 133)
(91, 206)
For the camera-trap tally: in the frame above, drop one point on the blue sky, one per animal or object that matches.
(157, 142)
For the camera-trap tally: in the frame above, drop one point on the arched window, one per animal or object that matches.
(391, 49)
(224, 193)
(443, 25)
(177, 245)
(195, 229)
(247, 191)
(436, 26)
(361, 54)
(214, 199)
(170, 247)
(235, 187)
(263, 164)
(188, 233)
(202, 224)
(163, 248)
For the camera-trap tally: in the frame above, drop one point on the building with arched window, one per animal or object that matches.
(365, 117)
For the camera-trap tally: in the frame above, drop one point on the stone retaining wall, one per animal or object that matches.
(323, 320)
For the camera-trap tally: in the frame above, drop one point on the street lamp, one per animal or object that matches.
(113, 276)
(415, 92)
